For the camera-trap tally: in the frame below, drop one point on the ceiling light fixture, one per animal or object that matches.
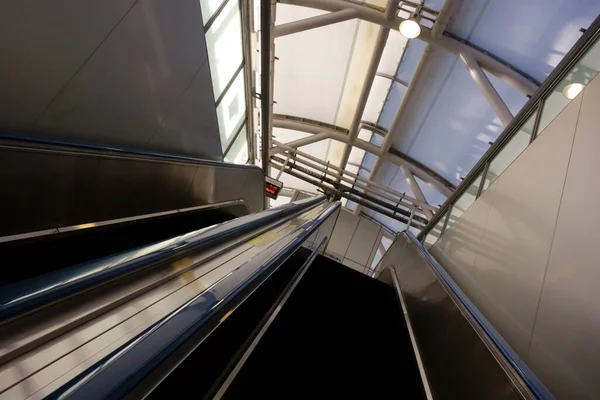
(410, 28)
(571, 91)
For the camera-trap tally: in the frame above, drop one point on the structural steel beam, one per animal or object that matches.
(487, 88)
(314, 22)
(353, 195)
(406, 100)
(414, 186)
(382, 37)
(484, 59)
(438, 182)
(442, 19)
(392, 78)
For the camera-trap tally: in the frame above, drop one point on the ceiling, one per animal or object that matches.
(447, 124)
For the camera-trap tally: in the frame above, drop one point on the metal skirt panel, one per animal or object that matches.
(53, 188)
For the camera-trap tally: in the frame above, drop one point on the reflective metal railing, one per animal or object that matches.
(116, 374)
(572, 74)
(36, 292)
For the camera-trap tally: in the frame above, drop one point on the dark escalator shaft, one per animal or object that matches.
(340, 335)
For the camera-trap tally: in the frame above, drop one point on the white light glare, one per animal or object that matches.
(571, 91)
(410, 28)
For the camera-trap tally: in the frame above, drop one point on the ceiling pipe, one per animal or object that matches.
(440, 184)
(314, 22)
(382, 37)
(357, 200)
(352, 179)
(374, 185)
(491, 64)
(347, 192)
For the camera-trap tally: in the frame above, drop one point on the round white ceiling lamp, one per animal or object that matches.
(410, 28)
(571, 91)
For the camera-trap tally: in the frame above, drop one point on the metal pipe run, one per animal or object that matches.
(395, 197)
(488, 89)
(438, 184)
(314, 22)
(366, 201)
(357, 177)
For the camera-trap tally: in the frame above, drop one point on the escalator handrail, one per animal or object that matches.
(24, 296)
(119, 372)
(531, 380)
(57, 144)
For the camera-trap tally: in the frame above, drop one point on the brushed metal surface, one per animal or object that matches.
(457, 362)
(51, 188)
(565, 351)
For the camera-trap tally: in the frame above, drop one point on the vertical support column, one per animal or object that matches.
(487, 88)
(265, 81)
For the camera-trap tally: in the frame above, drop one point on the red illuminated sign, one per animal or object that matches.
(272, 187)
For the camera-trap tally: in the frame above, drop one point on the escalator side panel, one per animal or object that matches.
(455, 355)
(340, 335)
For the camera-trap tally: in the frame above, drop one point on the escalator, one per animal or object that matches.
(341, 334)
(247, 308)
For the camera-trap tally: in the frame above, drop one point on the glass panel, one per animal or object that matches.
(468, 197)
(208, 9)
(437, 229)
(510, 152)
(430, 241)
(232, 111)
(238, 153)
(224, 45)
(581, 74)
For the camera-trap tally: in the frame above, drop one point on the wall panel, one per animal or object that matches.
(565, 339)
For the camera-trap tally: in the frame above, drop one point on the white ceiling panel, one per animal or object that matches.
(392, 104)
(356, 156)
(392, 53)
(376, 99)
(432, 196)
(458, 128)
(311, 67)
(318, 149)
(534, 35)
(412, 55)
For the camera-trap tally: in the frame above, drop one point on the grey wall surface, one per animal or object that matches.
(130, 73)
(354, 241)
(526, 251)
